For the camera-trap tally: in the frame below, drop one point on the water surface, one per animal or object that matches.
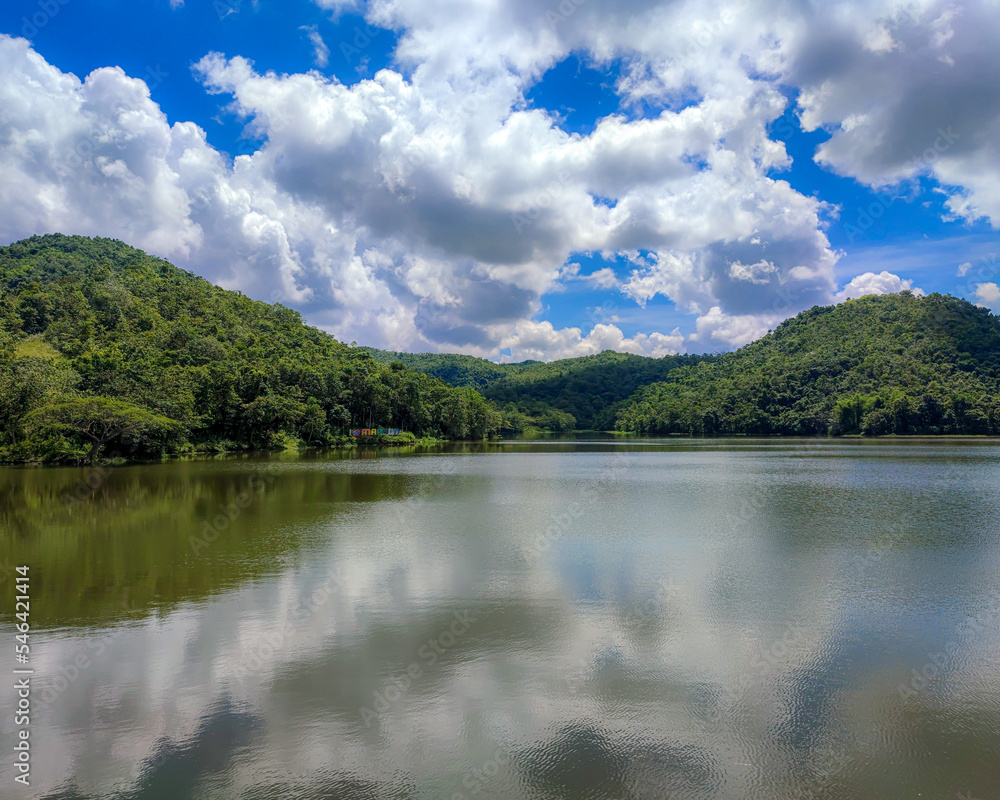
(774, 619)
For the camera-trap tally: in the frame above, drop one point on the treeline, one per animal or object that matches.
(101, 344)
(589, 389)
(892, 364)
(98, 339)
(582, 393)
(453, 368)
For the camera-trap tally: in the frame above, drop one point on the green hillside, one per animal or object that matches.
(583, 393)
(458, 370)
(590, 389)
(97, 337)
(893, 364)
(103, 347)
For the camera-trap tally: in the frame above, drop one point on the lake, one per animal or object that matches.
(585, 618)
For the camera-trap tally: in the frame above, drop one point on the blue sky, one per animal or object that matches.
(152, 41)
(529, 181)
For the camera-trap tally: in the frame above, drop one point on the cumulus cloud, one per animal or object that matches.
(754, 273)
(434, 211)
(604, 278)
(988, 296)
(389, 210)
(927, 103)
(541, 341)
(727, 331)
(96, 157)
(875, 283)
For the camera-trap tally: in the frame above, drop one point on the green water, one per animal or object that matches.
(781, 619)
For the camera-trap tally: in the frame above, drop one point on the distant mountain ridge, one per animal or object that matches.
(456, 369)
(590, 389)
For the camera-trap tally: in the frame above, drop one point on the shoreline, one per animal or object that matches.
(208, 455)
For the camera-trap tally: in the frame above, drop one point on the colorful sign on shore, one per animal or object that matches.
(375, 432)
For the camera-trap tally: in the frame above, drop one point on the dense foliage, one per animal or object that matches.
(103, 346)
(583, 393)
(894, 364)
(189, 364)
(590, 389)
(458, 370)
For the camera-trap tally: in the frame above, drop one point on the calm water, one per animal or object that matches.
(663, 619)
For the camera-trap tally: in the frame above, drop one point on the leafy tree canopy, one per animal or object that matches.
(98, 421)
(891, 364)
(583, 393)
(95, 318)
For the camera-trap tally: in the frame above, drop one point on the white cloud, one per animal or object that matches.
(875, 283)
(926, 105)
(496, 200)
(96, 157)
(879, 40)
(732, 330)
(542, 342)
(988, 296)
(963, 269)
(321, 53)
(604, 278)
(434, 212)
(758, 273)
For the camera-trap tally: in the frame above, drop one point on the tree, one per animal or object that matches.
(312, 427)
(99, 420)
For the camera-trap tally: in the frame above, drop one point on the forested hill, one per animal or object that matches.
(458, 370)
(104, 346)
(584, 392)
(891, 364)
(98, 337)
